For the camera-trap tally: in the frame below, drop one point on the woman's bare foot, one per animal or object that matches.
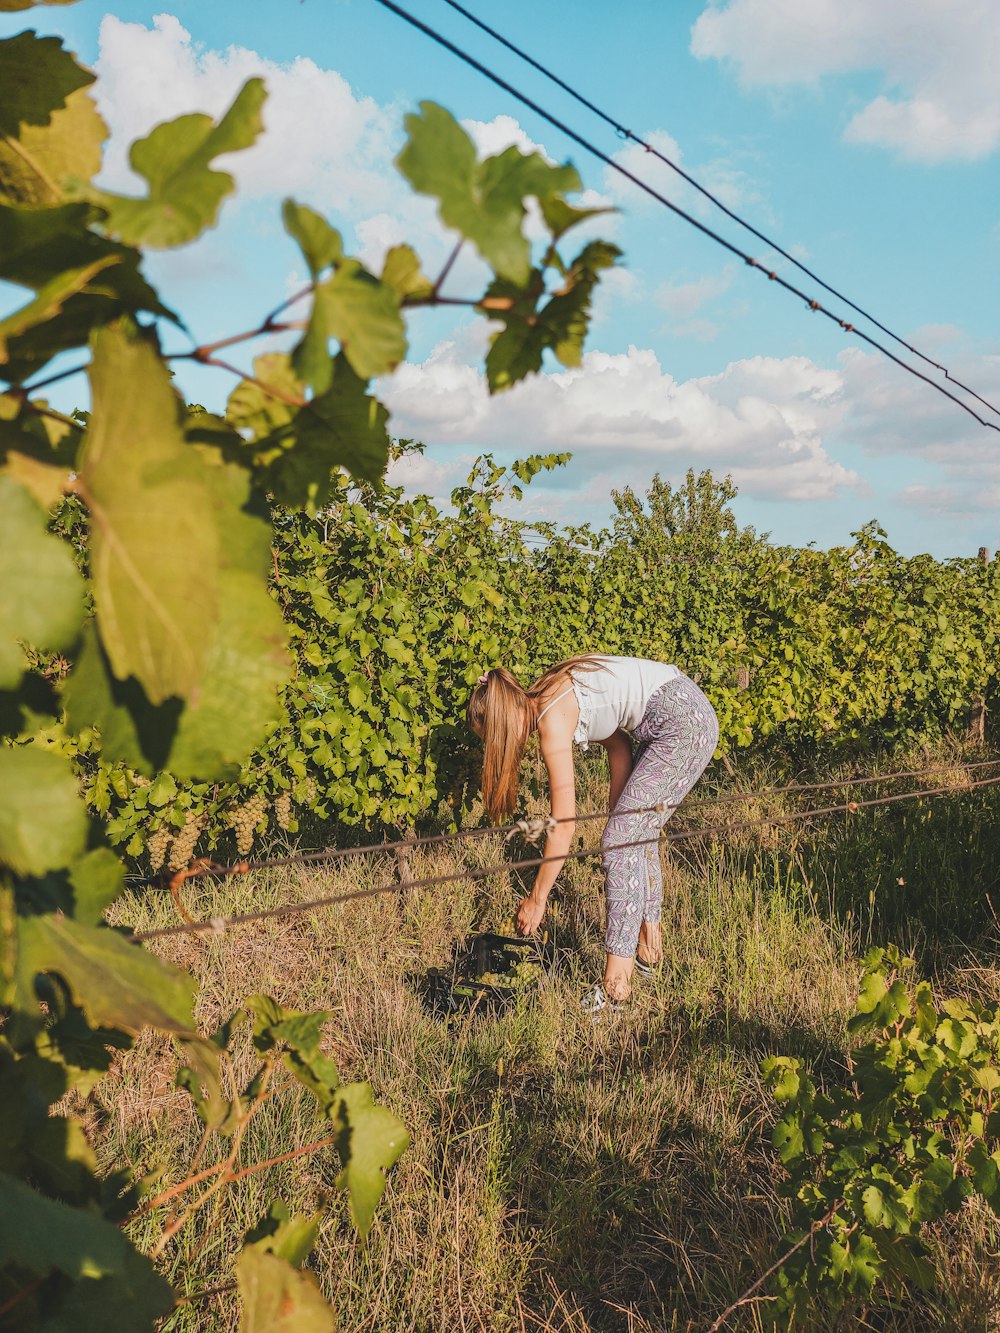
(618, 977)
(650, 943)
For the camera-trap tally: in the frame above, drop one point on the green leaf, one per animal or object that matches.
(41, 1236)
(237, 702)
(289, 1237)
(50, 301)
(43, 821)
(403, 273)
(559, 326)
(185, 194)
(344, 427)
(117, 984)
(321, 244)
(41, 591)
(37, 76)
(96, 879)
(560, 216)
(277, 1298)
(370, 1139)
(362, 313)
(252, 410)
(38, 163)
(246, 660)
(154, 554)
(484, 201)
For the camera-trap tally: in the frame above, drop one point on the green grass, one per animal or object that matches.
(566, 1176)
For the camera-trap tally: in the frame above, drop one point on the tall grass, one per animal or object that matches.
(565, 1175)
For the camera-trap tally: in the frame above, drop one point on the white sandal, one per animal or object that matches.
(597, 1001)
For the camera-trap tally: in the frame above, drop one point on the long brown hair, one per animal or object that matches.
(504, 714)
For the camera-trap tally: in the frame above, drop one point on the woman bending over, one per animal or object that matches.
(659, 731)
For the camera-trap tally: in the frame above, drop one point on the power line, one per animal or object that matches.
(219, 924)
(628, 134)
(609, 161)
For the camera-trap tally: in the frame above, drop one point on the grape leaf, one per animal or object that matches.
(245, 664)
(41, 1235)
(402, 271)
(370, 1139)
(277, 1298)
(154, 556)
(43, 821)
(363, 314)
(38, 163)
(560, 325)
(483, 201)
(116, 984)
(289, 1237)
(185, 193)
(41, 591)
(321, 244)
(37, 76)
(252, 409)
(344, 427)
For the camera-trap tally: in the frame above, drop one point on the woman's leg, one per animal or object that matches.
(679, 733)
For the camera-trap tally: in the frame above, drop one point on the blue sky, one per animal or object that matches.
(864, 138)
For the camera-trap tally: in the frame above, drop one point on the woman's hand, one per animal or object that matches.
(529, 914)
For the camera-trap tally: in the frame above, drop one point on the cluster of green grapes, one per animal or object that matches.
(158, 845)
(243, 820)
(283, 810)
(185, 841)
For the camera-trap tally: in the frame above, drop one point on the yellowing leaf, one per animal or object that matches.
(37, 165)
(277, 1298)
(154, 552)
(41, 592)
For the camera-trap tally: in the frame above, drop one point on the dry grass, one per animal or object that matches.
(611, 1177)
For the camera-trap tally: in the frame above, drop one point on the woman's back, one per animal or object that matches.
(613, 695)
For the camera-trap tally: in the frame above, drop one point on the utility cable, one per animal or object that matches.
(219, 924)
(609, 161)
(644, 144)
(531, 824)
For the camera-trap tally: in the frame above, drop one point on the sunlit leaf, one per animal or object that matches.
(41, 592)
(402, 271)
(483, 201)
(370, 1139)
(277, 1298)
(37, 76)
(321, 244)
(115, 983)
(185, 193)
(154, 556)
(37, 165)
(43, 821)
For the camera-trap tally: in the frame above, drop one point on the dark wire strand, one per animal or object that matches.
(609, 161)
(324, 855)
(626, 133)
(217, 925)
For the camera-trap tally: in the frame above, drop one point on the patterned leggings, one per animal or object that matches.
(676, 738)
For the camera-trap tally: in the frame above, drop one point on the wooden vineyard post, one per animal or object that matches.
(976, 733)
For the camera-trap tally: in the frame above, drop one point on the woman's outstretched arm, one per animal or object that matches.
(557, 751)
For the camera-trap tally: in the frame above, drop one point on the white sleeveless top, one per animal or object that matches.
(614, 695)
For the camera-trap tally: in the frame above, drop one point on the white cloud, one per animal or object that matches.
(323, 143)
(942, 97)
(760, 419)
